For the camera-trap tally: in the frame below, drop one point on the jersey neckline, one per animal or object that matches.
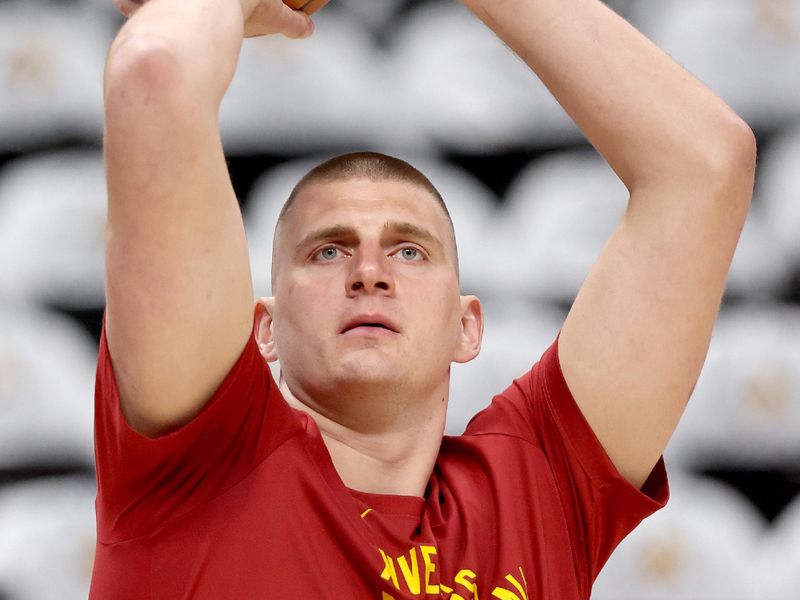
(390, 504)
(386, 504)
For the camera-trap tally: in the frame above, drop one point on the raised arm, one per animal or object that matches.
(179, 296)
(636, 337)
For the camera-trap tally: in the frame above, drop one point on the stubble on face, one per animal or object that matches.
(369, 274)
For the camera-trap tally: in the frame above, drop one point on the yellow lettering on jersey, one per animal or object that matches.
(410, 575)
(411, 571)
(505, 594)
(430, 567)
(389, 573)
(463, 578)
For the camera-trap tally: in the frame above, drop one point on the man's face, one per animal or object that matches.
(366, 292)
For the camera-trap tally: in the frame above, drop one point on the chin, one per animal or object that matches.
(368, 371)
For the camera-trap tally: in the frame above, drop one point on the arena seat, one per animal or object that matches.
(473, 209)
(47, 367)
(299, 95)
(516, 334)
(778, 557)
(701, 546)
(52, 228)
(745, 409)
(558, 215)
(779, 191)
(467, 90)
(745, 51)
(761, 267)
(52, 58)
(48, 540)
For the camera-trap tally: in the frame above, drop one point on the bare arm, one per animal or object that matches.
(637, 335)
(179, 297)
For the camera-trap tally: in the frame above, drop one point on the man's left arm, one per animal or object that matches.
(634, 342)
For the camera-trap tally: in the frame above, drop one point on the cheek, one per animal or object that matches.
(303, 312)
(442, 316)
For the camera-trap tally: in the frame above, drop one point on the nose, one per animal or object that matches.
(371, 272)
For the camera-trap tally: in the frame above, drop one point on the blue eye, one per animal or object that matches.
(410, 254)
(328, 253)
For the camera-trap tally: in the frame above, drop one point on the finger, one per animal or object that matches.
(294, 23)
(273, 16)
(127, 7)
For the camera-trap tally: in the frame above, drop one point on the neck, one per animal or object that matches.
(396, 457)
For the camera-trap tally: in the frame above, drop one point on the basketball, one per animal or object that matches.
(307, 6)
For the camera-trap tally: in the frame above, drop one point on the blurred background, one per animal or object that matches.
(532, 203)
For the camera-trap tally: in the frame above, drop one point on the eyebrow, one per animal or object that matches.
(348, 232)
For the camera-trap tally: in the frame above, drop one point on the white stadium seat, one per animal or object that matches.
(746, 51)
(761, 267)
(779, 191)
(559, 213)
(701, 546)
(329, 90)
(47, 368)
(48, 538)
(565, 206)
(52, 57)
(779, 556)
(53, 210)
(473, 209)
(745, 408)
(516, 333)
(467, 89)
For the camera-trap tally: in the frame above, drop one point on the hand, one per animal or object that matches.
(273, 16)
(268, 17)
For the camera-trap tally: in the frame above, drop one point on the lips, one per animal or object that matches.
(370, 320)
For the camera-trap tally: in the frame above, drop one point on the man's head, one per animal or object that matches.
(362, 165)
(365, 284)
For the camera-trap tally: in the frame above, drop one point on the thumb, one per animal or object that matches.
(273, 16)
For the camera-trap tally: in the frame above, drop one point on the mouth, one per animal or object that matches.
(370, 323)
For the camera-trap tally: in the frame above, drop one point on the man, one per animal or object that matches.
(215, 481)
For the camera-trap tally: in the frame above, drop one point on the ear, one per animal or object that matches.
(265, 309)
(471, 336)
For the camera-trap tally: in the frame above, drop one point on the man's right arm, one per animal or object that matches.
(179, 295)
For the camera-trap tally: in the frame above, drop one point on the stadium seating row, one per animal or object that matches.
(539, 242)
(441, 77)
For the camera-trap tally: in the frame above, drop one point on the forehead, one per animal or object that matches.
(362, 202)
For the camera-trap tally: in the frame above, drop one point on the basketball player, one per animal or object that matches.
(216, 482)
